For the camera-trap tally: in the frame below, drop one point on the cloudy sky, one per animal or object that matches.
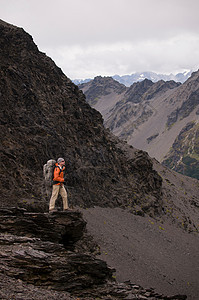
(87, 38)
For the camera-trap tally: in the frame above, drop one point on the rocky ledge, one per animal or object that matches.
(53, 253)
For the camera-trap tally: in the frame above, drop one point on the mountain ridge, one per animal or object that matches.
(149, 115)
(128, 80)
(44, 115)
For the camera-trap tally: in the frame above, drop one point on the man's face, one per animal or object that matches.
(62, 163)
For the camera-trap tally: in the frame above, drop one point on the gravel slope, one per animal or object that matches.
(146, 251)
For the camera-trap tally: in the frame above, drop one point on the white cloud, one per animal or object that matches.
(165, 56)
(91, 37)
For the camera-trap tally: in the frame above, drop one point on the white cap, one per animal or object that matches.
(60, 159)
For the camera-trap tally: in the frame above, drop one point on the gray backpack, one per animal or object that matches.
(48, 172)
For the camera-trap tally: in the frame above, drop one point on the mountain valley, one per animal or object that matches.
(151, 116)
(123, 202)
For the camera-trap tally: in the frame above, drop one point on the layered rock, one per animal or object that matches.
(53, 252)
(43, 250)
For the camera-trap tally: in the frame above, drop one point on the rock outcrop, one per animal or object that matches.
(43, 249)
(53, 252)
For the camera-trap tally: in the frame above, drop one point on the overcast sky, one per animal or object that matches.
(87, 38)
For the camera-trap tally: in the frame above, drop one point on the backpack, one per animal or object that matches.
(48, 172)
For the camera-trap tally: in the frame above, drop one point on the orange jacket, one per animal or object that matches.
(58, 174)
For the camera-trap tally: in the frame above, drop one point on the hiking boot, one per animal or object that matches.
(52, 211)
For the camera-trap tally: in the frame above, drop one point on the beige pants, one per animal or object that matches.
(58, 189)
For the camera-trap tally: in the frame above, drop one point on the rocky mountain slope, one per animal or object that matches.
(150, 116)
(44, 115)
(183, 157)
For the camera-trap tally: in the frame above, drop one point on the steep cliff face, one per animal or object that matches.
(44, 115)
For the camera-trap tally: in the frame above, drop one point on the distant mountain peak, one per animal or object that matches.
(128, 80)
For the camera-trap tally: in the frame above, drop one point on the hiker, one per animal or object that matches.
(58, 185)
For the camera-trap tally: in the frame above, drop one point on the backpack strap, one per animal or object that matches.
(60, 170)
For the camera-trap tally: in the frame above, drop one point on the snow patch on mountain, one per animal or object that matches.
(128, 80)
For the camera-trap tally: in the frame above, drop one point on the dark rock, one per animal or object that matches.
(65, 227)
(151, 138)
(41, 249)
(36, 249)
